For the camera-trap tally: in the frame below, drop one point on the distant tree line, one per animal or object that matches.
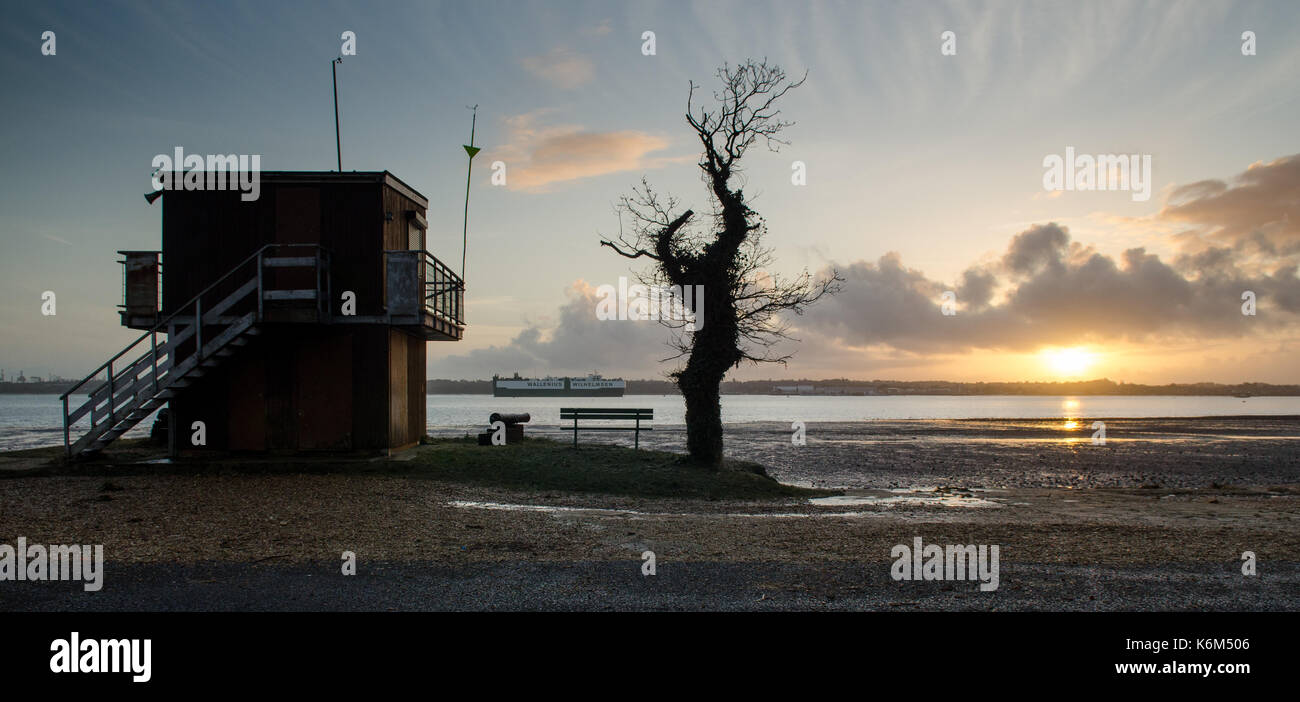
(51, 387)
(843, 386)
(839, 386)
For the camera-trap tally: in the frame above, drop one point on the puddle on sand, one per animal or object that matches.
(504, 507)
(914, 497)
(605, 511)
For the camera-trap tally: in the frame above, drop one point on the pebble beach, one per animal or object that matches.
(1164, 507)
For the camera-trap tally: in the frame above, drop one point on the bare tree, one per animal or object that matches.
(743, 304)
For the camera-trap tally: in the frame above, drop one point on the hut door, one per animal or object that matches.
(297, 221)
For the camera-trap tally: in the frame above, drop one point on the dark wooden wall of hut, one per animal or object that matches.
(326, 389)
(206, 233)
(299, 386)
(406, 370)
(406, 385)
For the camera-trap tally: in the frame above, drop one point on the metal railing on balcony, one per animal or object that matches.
(419, 282)
(444, 291)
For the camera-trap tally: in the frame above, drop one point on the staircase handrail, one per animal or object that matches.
(162, 324)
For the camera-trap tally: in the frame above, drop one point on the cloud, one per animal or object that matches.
(538, 155)
(562, 67)
(1035, 249)
(578, 343)
(599, 29)
(1257, 212)
(1046, 289)
(1055, 291)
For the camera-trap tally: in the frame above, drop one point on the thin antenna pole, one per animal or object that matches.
(338, 142)
(471, 150)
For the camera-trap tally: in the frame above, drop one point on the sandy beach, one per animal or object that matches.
(1155, 519)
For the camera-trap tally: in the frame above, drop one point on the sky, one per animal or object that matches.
(924, 170)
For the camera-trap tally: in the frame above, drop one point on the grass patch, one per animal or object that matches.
(544, 464)
(535, 464)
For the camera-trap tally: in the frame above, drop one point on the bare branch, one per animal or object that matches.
(637, 254)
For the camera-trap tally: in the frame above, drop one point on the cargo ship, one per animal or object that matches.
(591, 386)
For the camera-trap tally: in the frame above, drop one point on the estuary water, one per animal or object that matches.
(30, 421)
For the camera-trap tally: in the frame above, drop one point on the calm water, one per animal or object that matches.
(28, 421)
(473, 410)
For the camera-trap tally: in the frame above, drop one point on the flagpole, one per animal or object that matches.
(464, 232)
(338, 142)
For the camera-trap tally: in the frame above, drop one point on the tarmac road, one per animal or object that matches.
(620, 586)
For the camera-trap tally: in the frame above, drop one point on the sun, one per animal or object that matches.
(1069, 362)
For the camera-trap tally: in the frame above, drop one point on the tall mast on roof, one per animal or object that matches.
(472, 151)
(338, 141)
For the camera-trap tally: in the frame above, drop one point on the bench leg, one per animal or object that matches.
(575, 432)
(636, 440)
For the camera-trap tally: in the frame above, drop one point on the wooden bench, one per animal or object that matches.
(620, 413)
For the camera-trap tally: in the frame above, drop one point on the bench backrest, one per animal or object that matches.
(605, 413)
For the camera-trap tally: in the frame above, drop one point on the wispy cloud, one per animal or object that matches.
(599, 29)
(562, 67)
(539, 156)
(61, 240)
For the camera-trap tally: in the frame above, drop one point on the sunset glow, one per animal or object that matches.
(1069, 362)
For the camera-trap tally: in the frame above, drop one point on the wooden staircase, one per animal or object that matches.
(202, 336)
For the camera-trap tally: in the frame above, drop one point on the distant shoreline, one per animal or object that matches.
(773, 394)
(43, 388)
(870, 388)
(842, 388)
(61, 389)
